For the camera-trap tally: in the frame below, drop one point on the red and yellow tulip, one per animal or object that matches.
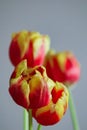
(30, 87)
(62, 67)
(28, 45)
(54, 111)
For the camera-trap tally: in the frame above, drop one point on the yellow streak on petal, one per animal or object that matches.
(44, 109)
(21, 67)
(47, 43)
(59, 86)
(59, 107)
(34, 34)
(61, 58)
(14, 80)
(35, 82)
(25, 89)
(38, 40)
(23, 41)
(50, 84)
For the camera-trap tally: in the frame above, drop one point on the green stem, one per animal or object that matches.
(73, 112)
(39, 127)
(25, 119)
(30, 120)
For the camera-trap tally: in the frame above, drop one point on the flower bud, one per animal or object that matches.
(30, 87)
(62, 67)
(54, 111)
(28, 45)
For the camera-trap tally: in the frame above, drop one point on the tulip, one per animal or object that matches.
(62, 67)
(54, 111)
(30, 87)
(28, 45)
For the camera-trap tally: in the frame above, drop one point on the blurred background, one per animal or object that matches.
(65, 21)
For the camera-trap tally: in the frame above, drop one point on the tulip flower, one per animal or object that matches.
(28, 45)
(54, 111)
(30, 87)
(62, 67)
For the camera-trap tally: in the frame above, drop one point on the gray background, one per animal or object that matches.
(65, 21)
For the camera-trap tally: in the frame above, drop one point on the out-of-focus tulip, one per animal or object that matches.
(28, 45)
(30, 87)
(62, 67)
(54, 111)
